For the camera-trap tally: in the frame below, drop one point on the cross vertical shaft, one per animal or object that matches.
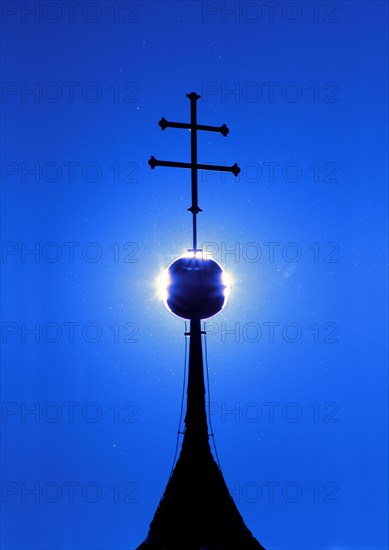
(193, 146)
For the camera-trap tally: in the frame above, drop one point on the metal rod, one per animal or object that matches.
(196, 427)
(185, 126)
(193, 148)
(153, 162)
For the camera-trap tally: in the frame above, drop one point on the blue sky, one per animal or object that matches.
(298, 358)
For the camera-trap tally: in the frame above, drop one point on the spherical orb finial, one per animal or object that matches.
(195, 287)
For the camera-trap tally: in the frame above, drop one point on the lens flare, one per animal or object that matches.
(226, 280)
(163, 282)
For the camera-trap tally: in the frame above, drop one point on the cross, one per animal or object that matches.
(193, 164)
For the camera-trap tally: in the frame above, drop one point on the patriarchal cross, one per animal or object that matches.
(193, 164)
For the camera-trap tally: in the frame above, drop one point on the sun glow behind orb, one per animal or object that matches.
(226, 279)
(194, 286)
(163, 282)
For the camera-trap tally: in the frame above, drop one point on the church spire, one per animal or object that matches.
(196, 511)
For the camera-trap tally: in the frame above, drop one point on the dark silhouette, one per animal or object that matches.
(196, 289)
(196, 511)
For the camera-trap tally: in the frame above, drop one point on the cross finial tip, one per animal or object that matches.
(193, 95)
(235, 169)
(152, 162)
(163, 123)
(224, 130)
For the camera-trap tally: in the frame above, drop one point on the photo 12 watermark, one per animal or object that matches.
(271, 92)
(69, 412)
(69, 332)
(69, 92)
(69, 492)
(68, 172)
(289, 492)
(272, 252)
(273, 332)
(70, 12)
(69, 252)
(276, 172)
(269, 12)
(274, 412)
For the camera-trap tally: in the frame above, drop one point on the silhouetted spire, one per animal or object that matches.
(197, 511)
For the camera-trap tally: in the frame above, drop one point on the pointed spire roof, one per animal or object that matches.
(197, 511)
